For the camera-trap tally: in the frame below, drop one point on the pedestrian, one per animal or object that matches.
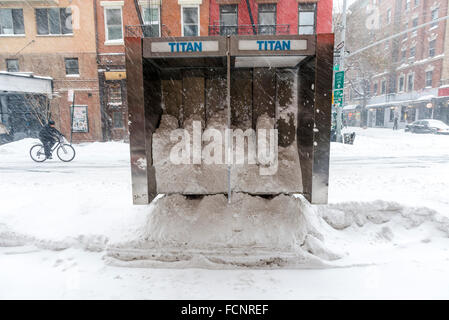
(395, 125)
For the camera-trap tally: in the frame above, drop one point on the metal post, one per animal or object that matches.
(71, 117)
(228, 102)
(342, 68)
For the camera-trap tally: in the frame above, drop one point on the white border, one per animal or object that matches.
(108, 42)
(182, 18)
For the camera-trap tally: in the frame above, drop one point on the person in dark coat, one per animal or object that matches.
(48, 136)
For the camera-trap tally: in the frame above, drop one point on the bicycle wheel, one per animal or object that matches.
(37, 153)
(66, 152)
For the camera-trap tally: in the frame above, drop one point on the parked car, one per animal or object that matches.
(428, 126)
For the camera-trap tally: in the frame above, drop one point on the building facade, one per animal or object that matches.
(56, 39)
(80, 45)
(409, 83)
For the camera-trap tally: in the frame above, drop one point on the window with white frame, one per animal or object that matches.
(11, 22)
(306, 17)
(190, 21)
(54, 21)
(151, 19)
(415, 22)
(12, 65)
(410, 82)
(113, 24)
(383, 87)
(416, 2)
(267, 18)
(407, 4)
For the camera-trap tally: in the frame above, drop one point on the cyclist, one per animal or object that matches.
(48, 136)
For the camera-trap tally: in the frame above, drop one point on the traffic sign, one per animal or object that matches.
(339, 80)
(338, 97)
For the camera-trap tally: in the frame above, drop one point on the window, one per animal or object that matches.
(190, 21)
(115, 95)
(54, 21)
(407, 4)
(432, 48)
(117, 119)
(151, 18)
(12, 65)
(71, 66)
(401, 83)
(375, 88)
(228, 19)
(434, 15)
(416, 2)
(267, 18)
(11, 21)
(429, 76)
(392, 113)
(388, 16)
(415, 22)
(114, 27)
(383, 87)
(306, 16)
(410, 80)
(412, 52)
(403, 55)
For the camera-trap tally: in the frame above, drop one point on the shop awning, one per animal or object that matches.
(25, 83)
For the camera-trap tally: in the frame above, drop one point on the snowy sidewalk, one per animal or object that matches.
(386, 218)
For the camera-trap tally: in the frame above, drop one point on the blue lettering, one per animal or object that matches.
(278, 46)
(189, 47)
(183, 45)
(286, 45)
(172, 46)
(271, 42)
(260, 43)
(177, 47)
(198, 47)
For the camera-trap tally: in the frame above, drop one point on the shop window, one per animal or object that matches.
(228, 19)
(267, 18)
(11, 22)
(54, 21)
(190, 21)
(151, 18)
(307, 17)
(72, 66)
(12, 65)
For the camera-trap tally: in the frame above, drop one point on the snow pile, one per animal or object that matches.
(251, 231)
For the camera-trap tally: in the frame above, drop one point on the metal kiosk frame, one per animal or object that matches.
(146, 57)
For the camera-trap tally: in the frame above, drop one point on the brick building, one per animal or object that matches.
(410, 84)
(56, 39)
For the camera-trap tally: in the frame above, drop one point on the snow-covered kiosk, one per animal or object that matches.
(280, 82)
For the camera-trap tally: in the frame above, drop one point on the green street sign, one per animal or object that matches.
(336, 67)
(339, 80)
(338, 97)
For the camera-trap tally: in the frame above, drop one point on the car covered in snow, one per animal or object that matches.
(428, 126)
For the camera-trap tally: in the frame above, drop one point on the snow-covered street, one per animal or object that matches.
(388, 220)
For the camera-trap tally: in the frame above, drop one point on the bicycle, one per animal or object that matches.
(64, 150)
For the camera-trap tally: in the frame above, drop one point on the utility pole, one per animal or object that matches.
(339, 104)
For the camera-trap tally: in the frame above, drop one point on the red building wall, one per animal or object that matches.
(287, 13)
